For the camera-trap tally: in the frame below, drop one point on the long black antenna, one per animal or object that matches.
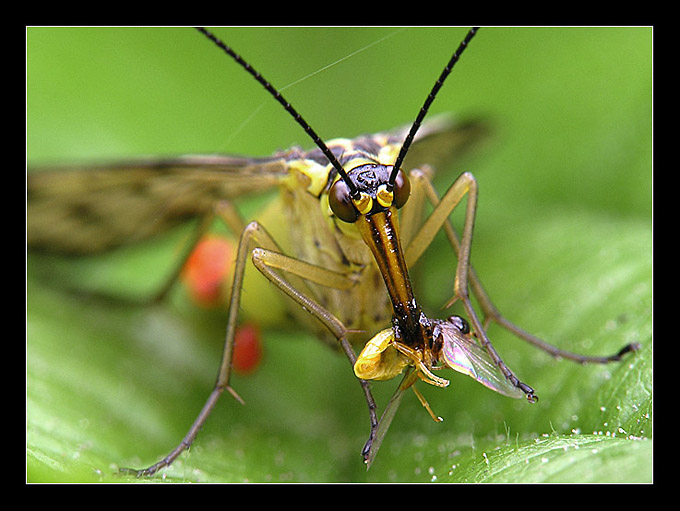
(289, 108)
(430, 98)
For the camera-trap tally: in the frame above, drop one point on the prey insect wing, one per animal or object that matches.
(460, 353)
(456, 349)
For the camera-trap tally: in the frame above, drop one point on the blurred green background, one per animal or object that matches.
(562, 243)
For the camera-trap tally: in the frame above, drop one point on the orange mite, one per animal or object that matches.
(207, 270)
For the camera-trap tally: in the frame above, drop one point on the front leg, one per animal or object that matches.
(257, 244)
(464, 186)
(421, 180)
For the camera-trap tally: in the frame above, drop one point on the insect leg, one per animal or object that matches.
(426, 405)
(424, 372)
(372, 445)
(267, 260)
(490, 312)
(228, 214)
(224, 374)
(464, 186)
(269, 263)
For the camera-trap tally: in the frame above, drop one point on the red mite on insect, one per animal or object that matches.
(207, 276)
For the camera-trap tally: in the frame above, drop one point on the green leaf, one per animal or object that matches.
(557, 459)
(562, 243)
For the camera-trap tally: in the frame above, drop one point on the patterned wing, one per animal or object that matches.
(87, 209)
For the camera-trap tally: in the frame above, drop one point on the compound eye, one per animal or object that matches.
(460, 324)
(402, 189)
(341, 202)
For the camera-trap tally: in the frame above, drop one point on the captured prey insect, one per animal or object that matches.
(453, 347)
(330, 267)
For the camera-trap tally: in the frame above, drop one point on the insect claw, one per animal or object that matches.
(124, 471)
(633, 346)
(366, 449)
(531, 397)
(138, 473)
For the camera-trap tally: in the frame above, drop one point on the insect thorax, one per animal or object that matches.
(315, 236)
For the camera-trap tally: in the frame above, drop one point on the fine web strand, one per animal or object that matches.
(235, 132)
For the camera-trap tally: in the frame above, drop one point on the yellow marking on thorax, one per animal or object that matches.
(317, 174)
